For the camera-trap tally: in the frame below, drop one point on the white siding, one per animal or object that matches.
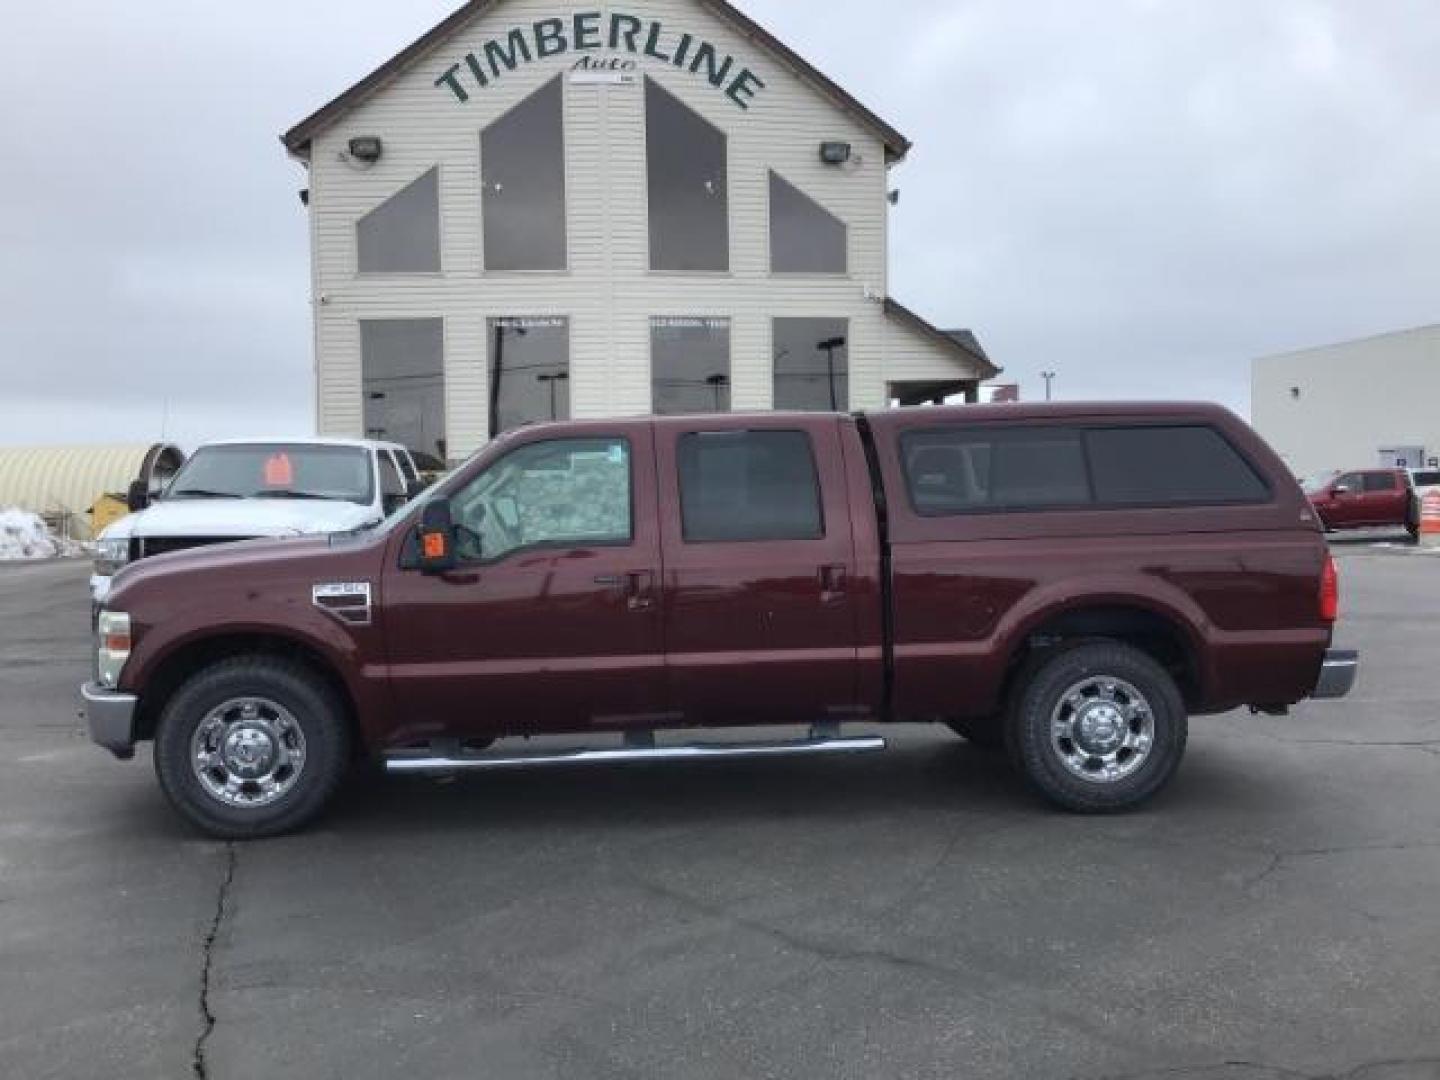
(1355, 397)
(608, 293)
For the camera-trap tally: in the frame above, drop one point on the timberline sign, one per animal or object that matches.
(592, 32)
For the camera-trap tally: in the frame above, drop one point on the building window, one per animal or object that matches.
(689, 208)
(403, 382)
(689, 365)
(529, 371)
(522, 162)
(748, 485)
(805, 238)
(812, 364)
(402, 234)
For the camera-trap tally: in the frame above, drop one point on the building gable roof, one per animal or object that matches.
(297, 140)
(959, 343)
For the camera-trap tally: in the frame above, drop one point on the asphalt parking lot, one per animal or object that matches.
(916, 913)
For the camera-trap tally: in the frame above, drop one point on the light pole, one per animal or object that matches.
(830, 345)
(716, 382)
(563, 376)
(1049, 377)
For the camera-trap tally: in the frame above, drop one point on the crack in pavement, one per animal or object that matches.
(198, 1063)
(1278, 1071)
(1278, 859)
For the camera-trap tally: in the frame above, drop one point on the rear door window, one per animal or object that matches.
(1380, 481)
(963, 470)
(748, 485)
(1158, 466)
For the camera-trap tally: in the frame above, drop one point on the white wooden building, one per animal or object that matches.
(545, 208)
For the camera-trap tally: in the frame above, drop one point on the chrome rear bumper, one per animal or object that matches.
(110, 715)
(1337, 673)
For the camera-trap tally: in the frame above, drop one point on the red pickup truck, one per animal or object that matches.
(1368, 499)
(1069, 581)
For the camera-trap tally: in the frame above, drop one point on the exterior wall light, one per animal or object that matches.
(366, 148)
(834, 153)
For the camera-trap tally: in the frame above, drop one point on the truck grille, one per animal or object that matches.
(163, 545)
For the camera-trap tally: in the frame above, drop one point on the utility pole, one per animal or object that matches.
(497, 368)
(716, 383)
(1049, 377)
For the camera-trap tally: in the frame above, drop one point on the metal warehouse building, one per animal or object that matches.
(1355, 404)
(545, 209)
(61, 483)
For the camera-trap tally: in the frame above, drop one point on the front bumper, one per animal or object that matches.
(1337, 673)
(110, 715)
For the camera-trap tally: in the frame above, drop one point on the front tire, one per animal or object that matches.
(251, 747)
(1097, 728)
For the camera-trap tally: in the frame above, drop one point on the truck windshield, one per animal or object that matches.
(277, 471)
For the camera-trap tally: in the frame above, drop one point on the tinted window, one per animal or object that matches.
(1426, 479)
(1167, 465)
(402, 234)
(522, 158)
(1351, 482)
(959, 470)
(812, 364)
(1380, 481)
(689, 209)
(748, 485)
(529, 371)
(570, 492)
(277, 471)
(402, 363)
(804, 236)
(690, 365)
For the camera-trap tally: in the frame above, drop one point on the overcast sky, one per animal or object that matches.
(1140, 195)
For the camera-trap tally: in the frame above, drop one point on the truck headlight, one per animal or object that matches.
(110, 556)
(112, 647)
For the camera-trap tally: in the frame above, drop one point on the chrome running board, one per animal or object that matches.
(430, 763)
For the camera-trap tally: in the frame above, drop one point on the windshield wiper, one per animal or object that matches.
(293, 495)
(200, 493)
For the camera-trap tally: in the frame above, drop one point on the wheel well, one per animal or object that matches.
(1160, 638)
(185, 661)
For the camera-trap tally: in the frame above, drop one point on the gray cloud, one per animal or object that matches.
(1140, 195)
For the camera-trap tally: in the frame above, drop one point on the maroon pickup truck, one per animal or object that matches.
(1070, 582)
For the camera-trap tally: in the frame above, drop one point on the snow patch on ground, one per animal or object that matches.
(24, 536)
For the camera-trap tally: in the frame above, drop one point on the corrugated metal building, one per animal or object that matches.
(544, 209)
(61, 483)
(1354, 404)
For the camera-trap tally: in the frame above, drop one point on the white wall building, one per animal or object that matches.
(1375, 401)
(548, 208)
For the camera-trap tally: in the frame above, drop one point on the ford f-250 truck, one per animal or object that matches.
(1070, 581)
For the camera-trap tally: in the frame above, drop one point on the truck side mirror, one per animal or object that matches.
(137, 495)
(437, 537)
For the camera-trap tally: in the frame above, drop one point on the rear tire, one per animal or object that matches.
(251, 747)
(1097, 728)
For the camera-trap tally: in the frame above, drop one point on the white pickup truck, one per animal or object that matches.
(245, 489)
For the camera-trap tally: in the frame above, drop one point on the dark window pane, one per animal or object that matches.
(689, 365)
(522, 158)
(560, 492)
(748, 485)
(403, 382)
(812, 364)
(402, 234)
(1426, 478)
(1380, 481)
(1168, 465)
(805, 238)
(529, 371)
(1352, 482)
(689, 211)
(964, 469)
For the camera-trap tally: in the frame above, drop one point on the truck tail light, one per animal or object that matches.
(1330, 591)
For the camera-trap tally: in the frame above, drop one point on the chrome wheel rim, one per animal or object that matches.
(1102, 729)
(248, 752)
